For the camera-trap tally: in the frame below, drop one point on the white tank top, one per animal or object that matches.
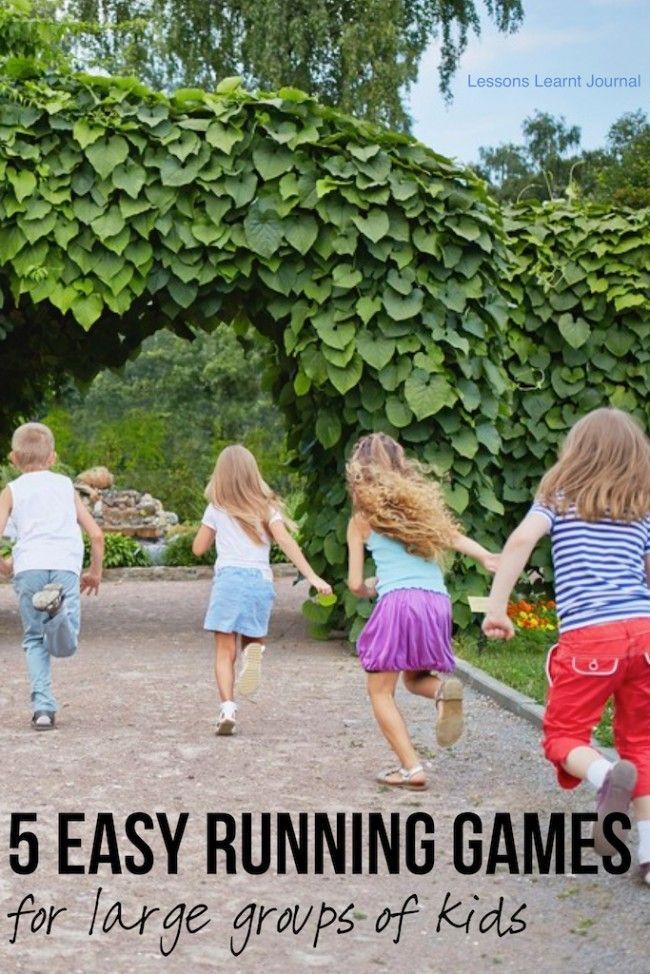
(44, 517)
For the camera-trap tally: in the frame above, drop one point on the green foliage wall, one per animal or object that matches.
(579, 334)
(372, 263)
(380, 271)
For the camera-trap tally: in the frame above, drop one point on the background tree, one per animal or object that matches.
(360, 56)
(541, 167)
(160, 421)
(549, 160)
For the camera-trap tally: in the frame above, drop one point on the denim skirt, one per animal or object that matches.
(240, 601)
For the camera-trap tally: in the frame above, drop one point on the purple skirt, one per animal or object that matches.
(409, 629)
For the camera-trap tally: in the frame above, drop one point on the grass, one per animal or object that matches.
(520, 664)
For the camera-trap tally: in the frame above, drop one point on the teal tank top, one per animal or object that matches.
(396, 568)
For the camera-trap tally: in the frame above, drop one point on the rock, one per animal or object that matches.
(129, 512)
(99, 477)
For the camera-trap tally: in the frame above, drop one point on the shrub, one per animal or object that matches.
(179, 550)
(120, 552)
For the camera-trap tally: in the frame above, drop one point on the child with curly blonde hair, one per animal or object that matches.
(400, 516)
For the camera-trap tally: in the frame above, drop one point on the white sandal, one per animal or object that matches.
(250, 675)
(405, 780)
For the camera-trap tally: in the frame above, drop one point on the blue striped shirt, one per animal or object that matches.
(599, 568)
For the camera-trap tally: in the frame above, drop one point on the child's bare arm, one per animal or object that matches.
(292, 550)
(203, 540)
(91, 578)
(5, 512)
(515, 555)
(364, 588)
(465, 546)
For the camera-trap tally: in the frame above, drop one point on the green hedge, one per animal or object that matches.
(381, 272)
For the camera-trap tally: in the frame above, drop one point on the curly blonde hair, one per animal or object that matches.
(396, 498)
(603, 470)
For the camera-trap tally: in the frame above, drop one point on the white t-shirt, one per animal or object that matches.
(44, 517)
(234, 548)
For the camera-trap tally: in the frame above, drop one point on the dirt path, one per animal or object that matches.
(137, 711)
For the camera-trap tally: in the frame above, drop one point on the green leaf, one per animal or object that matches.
(23, 182)
(374, 226)
(489, 437)
(374, 349)
(85, 133)
(272, 161)
(263, 229)
(105, 155)
(457, 497)
(130, 177)
(345, 379)
(397, 412)
(626, 301)
(301, 232)
(223, 137)
(328, 428)
(401, 308)
(464, 227)
(465, 443)
(345, 275)
(109, 224)
(575, 331)
(367, 307)
(428, 394)
(87, 309)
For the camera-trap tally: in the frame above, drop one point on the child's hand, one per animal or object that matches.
(90, 582)
(490, 561)
(498, 627)
(371, 586)
(321, 586)
(6, 566)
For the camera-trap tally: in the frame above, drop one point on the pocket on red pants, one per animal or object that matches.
(594, 666)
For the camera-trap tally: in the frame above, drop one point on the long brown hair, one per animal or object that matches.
(397, 499)
(236, 487)
(603, 470)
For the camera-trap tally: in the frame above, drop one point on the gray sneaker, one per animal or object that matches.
(43, 720)
(49, 599)
(614, 795)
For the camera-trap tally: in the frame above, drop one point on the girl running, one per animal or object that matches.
(595, 504)
(400, 516)
(242, 517)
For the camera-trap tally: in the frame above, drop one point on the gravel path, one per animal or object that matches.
(136, 734)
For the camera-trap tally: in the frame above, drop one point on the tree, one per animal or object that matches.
(541, 167)
(360, 56)
(621, 173)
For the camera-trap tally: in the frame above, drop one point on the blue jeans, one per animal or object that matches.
(40, 632)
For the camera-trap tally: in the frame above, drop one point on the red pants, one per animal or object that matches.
(585, 669)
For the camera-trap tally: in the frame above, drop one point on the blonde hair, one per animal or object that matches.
(236, 487)
(32, 444)
(603, 469)
(397, 499)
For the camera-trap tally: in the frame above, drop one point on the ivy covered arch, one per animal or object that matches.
(372, 263)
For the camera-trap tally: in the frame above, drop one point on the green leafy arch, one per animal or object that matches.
(372, 263)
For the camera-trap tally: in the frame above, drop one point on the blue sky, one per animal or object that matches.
(558, 37)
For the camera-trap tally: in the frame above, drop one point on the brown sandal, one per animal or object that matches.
(449, 700)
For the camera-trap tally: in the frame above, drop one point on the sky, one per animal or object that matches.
(558, 38)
